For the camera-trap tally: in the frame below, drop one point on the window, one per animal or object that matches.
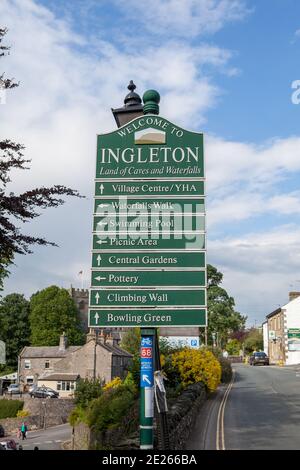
(47, 364)
(27, 364)
(65, 385)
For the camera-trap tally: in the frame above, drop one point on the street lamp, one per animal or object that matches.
(132, 107)
(95, 353)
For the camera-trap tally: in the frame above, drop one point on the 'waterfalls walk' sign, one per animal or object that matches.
(148, 260)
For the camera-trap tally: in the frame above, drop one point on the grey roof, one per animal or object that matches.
(275, 312)
(58, 376)
(47, 351)
(54, 351)
(115, 350)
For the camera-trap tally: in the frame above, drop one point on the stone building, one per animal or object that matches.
(275, 346)
(100, 357)
(81, 299)
(34, 361)
(282, 333)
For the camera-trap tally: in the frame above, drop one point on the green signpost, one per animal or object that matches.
(294, 333)
(152, 188)
(148, 260)
(145, 297)
(153, 241)
(147, 278)
(154, 317)
(156, 205)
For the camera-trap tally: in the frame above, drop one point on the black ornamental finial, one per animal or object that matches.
(132, 99)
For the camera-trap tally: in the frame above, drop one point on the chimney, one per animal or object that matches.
(63, 342)
(112, 338)
(293, 295)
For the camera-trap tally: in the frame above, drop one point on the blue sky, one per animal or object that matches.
(224, 67)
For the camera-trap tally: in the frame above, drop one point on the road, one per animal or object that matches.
(48, 439)
(259, 410)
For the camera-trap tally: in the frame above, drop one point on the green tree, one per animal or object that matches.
(233, 347)
(222, 317)
(254, 341)
(52, 312)
(131, 340)
(14, 326)
(21, 207)
(86, 391)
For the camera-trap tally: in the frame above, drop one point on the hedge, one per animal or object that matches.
(10, 408)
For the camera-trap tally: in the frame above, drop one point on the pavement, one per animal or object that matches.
(46, 439)
(259, 410)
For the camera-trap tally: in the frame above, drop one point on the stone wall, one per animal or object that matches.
(181, 419)
(183, 413)
(44, 413)
(12, 425)
(124, 437)
(52, 411)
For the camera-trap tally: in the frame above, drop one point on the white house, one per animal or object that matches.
(266, 337)
(291, 312)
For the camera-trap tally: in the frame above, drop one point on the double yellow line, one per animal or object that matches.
(220, 437)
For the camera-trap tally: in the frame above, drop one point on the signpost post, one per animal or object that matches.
(148, 260)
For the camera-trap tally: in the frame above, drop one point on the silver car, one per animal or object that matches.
(13, 389)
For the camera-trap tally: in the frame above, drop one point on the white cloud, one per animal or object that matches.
(234, 162)
(262, 267)
(185, 18)
(65, 96)
(65, 99)
(244, 180)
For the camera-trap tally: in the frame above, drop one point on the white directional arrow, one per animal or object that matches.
(101, 188)
(99, 260)
(101, 242)
(96, 318)
(99, 278)
(145, 379)
(103, 205)
(97, 297)
(102, 222)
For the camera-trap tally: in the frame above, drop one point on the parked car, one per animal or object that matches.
(43, 392)
(8, 444)
(32, 387)
(259, 358)
(13, 389)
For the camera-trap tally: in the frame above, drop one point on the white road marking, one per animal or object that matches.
(220, 436)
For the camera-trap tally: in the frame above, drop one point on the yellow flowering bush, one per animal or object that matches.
(162, 360)
(22, 413)
(116, 382)
(197, 365)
